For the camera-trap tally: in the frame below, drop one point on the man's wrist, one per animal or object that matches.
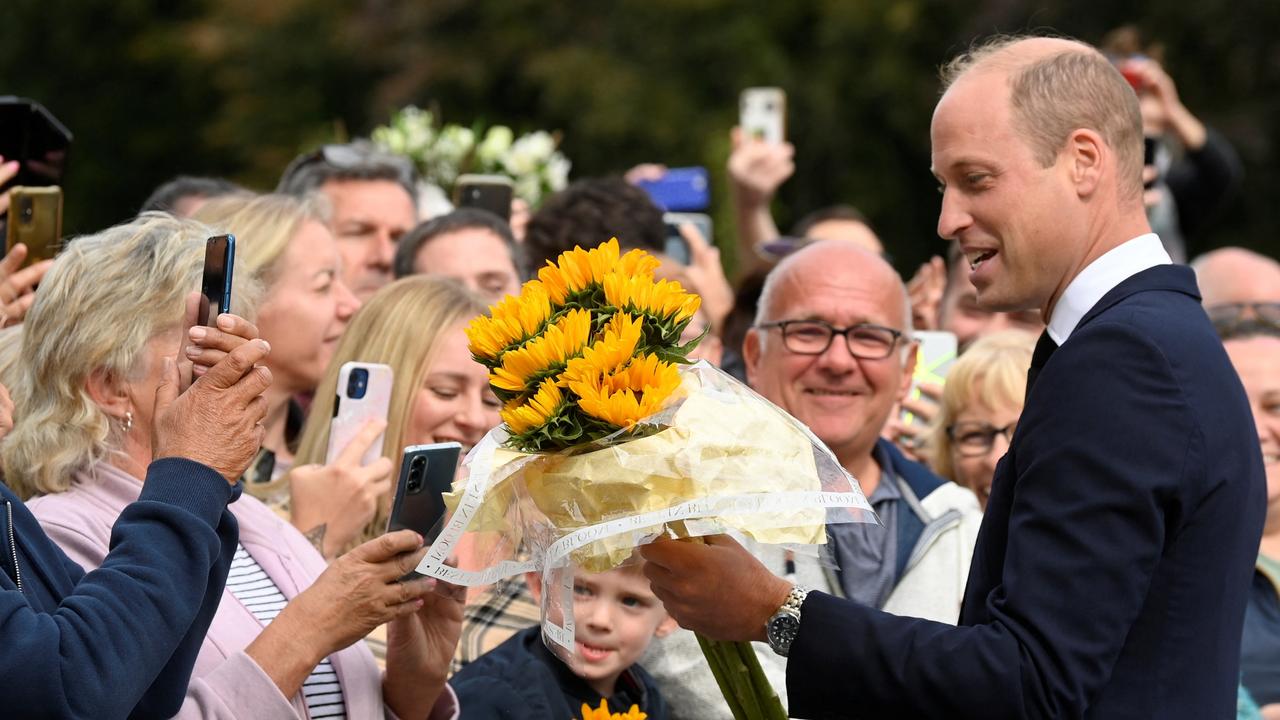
(772, 598)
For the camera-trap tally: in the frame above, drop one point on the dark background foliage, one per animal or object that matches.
(153, 88)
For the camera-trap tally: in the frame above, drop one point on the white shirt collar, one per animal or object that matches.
(1099, 277)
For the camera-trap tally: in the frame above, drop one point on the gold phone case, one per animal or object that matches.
(35, 220)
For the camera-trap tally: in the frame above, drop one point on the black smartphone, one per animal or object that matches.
(426, 474)
(215, 288)
(31, 135)
(487, 192)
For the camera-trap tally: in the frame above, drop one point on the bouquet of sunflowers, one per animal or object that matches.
(611, 438)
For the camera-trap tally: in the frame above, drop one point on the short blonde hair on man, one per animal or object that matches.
(992, 372)
(400, 326)
(103, 300)
(1057, 94)
(263, 226)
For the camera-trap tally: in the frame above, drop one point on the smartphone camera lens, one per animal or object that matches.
(358, 383)
(417, 475)
(27, 210)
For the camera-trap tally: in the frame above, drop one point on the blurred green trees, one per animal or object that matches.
(235, 88)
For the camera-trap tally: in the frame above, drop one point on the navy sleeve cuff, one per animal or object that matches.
(191, 486)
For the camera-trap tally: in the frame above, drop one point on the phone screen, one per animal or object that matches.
(215, 287)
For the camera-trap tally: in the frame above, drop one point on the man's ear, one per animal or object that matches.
(1088, 152)
(751, 355)
(908, 370)
(666, 627)
(534, 581)
(108, 392)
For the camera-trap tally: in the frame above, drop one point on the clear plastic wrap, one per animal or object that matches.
(717, 458)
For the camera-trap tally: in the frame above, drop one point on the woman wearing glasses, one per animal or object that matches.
(980, 406)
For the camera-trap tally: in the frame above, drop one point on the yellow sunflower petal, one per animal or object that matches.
(510, 321)
(562, 340)
(614, 350)
(522, 417)
(665, 299)
(578, 269)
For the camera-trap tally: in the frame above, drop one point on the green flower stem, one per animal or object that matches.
(742, 681)
(716, 662)
(765, 694)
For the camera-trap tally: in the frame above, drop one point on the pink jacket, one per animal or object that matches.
(226, 683)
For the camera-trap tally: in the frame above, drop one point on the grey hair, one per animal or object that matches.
(106, 296)
(307, 173)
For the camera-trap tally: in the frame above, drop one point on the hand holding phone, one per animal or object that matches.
(426, 474)
(215, 286)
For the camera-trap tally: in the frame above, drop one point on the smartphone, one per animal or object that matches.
(35, 220)
(487, 192)
(763, 113)
(676, 247)
(364, 394)
(426, 474)
(215, 288)
(683, 189)
(30, 134)
(936, 355)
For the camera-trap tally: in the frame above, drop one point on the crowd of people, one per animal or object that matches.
(1073, 524)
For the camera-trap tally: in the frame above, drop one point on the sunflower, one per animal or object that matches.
(621, 336)
(546, 403)
(602, 712)
(577, 270)
(624, 397)
(545, 354)
(510, 322)
(665, 300)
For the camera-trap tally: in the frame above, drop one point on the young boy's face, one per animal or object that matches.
(616, 616)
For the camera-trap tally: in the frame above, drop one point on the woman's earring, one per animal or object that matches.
(128, 420)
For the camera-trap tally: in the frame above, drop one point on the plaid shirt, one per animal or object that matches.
(499, 613)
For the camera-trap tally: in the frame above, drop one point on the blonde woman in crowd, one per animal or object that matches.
(439, 394)
(281, 642)
(285, 243)
(980, 407)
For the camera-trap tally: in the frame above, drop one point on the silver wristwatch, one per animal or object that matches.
(781, 629)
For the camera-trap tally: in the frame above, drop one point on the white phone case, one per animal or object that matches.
(763, 114)
(351, 413)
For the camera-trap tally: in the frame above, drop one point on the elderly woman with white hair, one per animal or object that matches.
(281, 643)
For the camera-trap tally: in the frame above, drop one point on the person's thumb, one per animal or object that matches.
(167, 390)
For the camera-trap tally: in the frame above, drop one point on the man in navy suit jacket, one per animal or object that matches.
(1111, 571)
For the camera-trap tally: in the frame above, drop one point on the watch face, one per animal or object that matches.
(782, 631)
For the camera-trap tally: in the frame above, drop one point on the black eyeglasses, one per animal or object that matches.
(977, 439)
(1228, 316)
(813, 337)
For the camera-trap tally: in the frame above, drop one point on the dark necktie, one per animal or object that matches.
(1044, 348)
